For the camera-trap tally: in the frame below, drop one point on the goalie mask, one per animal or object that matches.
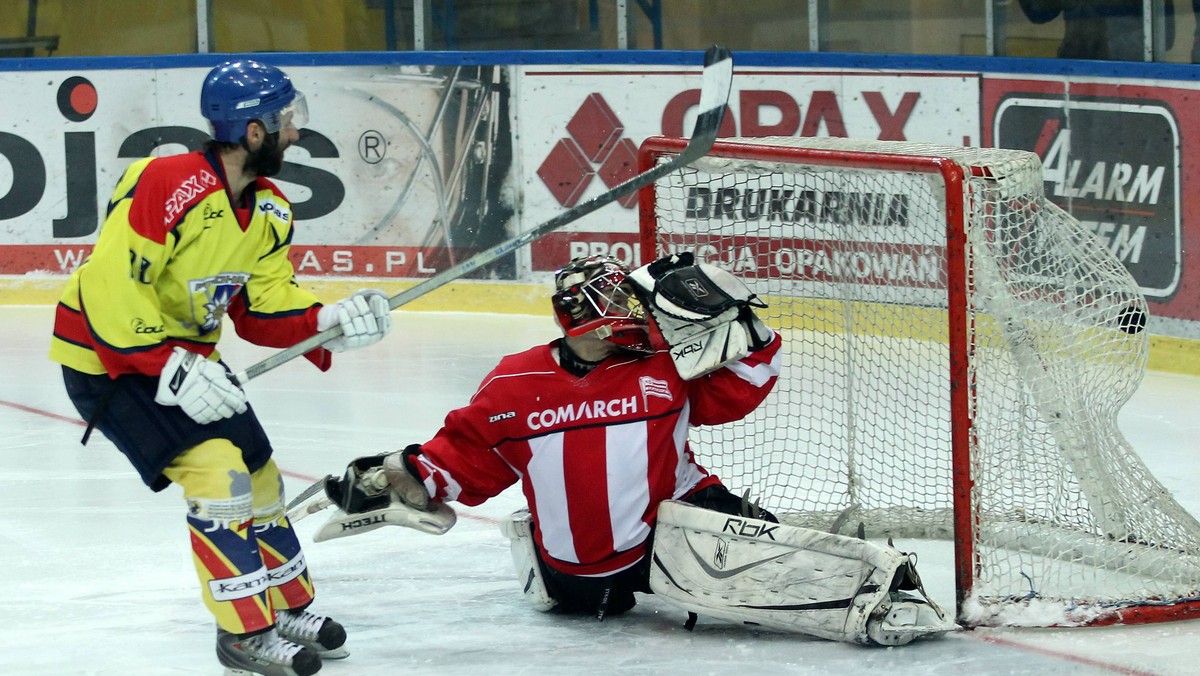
(593, 296)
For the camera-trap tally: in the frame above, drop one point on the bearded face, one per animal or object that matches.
(268, 159)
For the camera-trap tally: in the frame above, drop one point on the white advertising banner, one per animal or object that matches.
(390, 178)
(406, 170)
(579, 129)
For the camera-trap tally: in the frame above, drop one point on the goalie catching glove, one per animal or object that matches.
(379, 491)
(705, 314)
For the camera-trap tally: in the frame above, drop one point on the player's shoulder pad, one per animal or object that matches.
(165, 189)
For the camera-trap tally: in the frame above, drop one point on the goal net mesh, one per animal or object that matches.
(1059, 522)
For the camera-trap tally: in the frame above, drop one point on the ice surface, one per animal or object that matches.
(99, 580)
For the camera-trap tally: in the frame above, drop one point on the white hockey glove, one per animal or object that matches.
(365, 319)
(704, 313)
(200, 387)
(380, 491)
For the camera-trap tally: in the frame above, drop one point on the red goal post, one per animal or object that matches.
(957, 350)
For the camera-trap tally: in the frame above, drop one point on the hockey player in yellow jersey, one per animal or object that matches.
(188, 240)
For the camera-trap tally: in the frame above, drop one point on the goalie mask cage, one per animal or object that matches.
(956, 351)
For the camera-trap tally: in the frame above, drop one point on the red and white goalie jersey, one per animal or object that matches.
(595, 455)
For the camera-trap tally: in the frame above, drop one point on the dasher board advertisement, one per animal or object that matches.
(1122, 157)
(579, 129)
(398, 173)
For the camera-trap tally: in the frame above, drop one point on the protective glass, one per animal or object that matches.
(293, 115)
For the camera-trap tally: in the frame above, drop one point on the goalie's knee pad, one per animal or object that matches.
(760, 573)
(518, 528)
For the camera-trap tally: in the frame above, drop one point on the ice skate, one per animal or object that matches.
(905, 617)
(266, 653)
(315, 632)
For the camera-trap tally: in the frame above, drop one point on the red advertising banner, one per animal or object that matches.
(308, 260)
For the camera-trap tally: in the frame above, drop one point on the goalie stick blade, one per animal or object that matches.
(714, 98)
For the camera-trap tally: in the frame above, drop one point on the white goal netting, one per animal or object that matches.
(956, 353)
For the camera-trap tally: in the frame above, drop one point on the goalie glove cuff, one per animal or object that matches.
(368, 482)
(760, 334)
(404, 478)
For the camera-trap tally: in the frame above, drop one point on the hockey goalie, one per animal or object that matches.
(594, 428)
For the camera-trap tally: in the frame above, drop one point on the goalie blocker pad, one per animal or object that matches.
(377, 491)
(750, 571)
(439, 519)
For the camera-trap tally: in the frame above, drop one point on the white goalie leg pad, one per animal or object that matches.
(760, 573)
(518, 528)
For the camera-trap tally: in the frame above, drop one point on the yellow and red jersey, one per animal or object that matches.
(173, 257)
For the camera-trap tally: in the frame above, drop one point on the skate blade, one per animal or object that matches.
(336, 654)
(282, 670)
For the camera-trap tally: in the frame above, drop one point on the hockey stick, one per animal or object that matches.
(315, 506)
(295, 514)
(714, 96)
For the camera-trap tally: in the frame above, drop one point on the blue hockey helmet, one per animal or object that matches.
(237, 92)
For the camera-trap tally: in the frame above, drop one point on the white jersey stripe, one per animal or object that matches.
(545, 470)
(686, 473)
(451, 489)
(506, 376)
(759, 374)
(628, 471)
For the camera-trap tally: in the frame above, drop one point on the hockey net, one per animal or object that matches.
(956, 351)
